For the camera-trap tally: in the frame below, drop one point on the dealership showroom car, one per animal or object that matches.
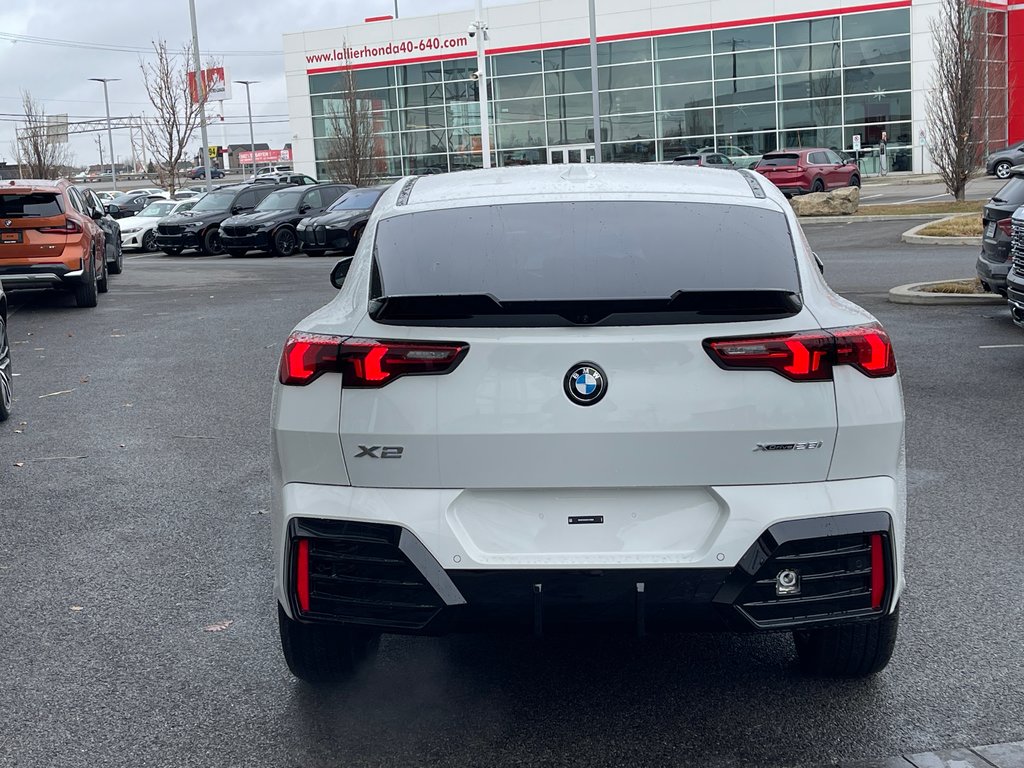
(541, 401)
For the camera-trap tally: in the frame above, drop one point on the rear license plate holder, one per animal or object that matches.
(990, 230)
(7, 237)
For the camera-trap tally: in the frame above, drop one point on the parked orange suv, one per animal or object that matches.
(49, 238)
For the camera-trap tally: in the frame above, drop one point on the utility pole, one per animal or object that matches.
(481, 83)
(200, 94)
(248, 104)
(594, 83)
(99, 146)
(110, 132)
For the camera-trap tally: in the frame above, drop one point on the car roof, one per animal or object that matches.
(609, 181)
(41, 185)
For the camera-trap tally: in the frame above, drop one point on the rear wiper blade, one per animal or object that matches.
(997, 199)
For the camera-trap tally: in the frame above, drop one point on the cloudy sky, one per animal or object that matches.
(80, 39)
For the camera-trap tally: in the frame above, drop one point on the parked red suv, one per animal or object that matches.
(798, 171)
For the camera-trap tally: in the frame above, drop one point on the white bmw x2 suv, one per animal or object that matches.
(614, 395)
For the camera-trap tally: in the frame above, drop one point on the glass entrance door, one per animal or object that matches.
(580, 154)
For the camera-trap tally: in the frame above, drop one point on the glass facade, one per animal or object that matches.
(743, 90)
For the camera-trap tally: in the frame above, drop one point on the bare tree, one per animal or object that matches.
(354, 150)
(958, 40)
(41, 153)
(177, 114)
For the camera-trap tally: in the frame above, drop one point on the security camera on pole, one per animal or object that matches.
(478, 29)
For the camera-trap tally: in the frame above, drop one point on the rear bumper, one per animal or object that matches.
(428, 578)
(993, 273)
(53, 275)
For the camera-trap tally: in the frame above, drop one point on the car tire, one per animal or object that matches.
(236, 252)
(149, 241)
(6, 375)
(284, 242)
(116, 267)
(172, 251)
(1002, 169)
(212, 244)
(324, 654)
(848, 650)
(86, 293)
(818, 186)
(102, 283)
(855, 181)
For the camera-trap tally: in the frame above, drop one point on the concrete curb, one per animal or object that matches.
(911, 236)
(927, 217)
(911, 293)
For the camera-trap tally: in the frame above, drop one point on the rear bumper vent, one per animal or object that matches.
(363, 573)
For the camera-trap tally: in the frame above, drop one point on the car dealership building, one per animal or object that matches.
(675, 76)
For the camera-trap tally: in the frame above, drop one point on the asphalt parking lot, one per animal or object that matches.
(135, 561)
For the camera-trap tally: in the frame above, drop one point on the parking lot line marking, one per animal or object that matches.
(920, 199)
(1001, 346)
(872, 197)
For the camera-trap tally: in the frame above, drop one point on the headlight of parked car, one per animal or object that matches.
(130, 230)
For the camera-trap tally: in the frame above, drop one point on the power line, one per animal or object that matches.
(57, 43)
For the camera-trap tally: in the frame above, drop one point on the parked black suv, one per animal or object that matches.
(199, 228)
(340, 228)
(271, 226)
(994, 259)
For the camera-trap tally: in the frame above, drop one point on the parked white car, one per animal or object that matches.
(139, 232)
(604, 395)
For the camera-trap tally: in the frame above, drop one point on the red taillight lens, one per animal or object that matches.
(302, 574)
(71, 227)
(809, 356)
(867, 348)
(1005, 226)
(364, 362)
(798, 356)
(877, 571)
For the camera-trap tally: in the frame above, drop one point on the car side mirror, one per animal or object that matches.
(304, 208)
(819, 262)
(97, 214)
(110, 208)
(340, 272)
(235, 210)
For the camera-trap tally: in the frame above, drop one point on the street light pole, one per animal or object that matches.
(481, 85)
(594, 83)
(248, 103)
(200, 94)
(110, 133)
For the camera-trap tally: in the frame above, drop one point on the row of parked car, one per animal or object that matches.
(794, 171)
(1000, 264)
(277, 219)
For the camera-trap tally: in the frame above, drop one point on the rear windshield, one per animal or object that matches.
(356, 200)
(635, 255)
(35, 205)
(773, 161)
(1012, 192)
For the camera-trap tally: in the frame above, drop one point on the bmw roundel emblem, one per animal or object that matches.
(585, 384)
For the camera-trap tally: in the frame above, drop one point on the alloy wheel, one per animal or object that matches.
(6, 390)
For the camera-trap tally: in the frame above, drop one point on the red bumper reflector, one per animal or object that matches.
(302, 574)
(877, 571)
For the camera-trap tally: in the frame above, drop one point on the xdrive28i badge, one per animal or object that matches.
(585, 383)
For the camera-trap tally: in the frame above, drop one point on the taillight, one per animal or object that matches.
(809, 356)
(1005, 226)
(71, 227)
(364, 362)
